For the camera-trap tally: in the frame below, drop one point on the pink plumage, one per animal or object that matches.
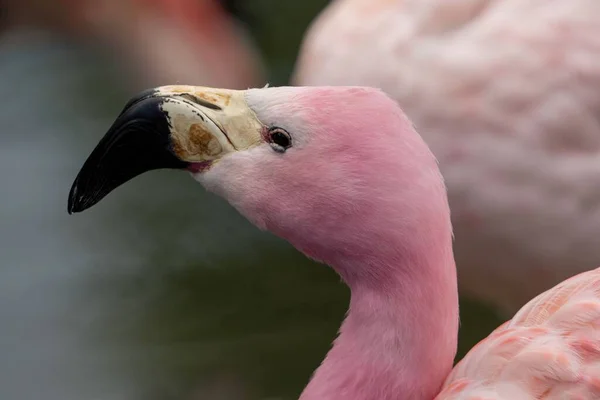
(171, 40)
(507, 95)
(549, 350)
(358, 189)
(371, 204)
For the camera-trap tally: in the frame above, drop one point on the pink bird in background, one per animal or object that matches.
(159, 41)
(341, 174)
(507, 95)
(176, 40)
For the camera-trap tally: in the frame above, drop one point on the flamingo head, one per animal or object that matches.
(336, 171)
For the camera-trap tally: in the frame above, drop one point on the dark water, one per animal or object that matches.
(162, 291)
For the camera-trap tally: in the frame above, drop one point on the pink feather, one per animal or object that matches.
(507, 95)
(361, 191)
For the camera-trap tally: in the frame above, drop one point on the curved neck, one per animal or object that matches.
(399, 338)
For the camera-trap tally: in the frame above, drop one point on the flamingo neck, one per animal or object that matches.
(399, 338)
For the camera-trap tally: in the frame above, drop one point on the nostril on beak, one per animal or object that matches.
(200, 102)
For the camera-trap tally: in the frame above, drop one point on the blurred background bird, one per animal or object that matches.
(155, 40)
(125, 303)
(507, 94)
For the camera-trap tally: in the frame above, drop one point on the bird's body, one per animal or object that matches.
(507, 95)
(341, 174)
(549, 350)
(209, 45)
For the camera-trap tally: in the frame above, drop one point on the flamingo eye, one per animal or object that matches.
(279, 139)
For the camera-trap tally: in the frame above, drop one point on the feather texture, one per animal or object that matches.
(550, 350)
(507, 95)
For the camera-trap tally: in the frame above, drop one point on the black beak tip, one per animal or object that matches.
(138, 141)
(73, 205)
(77, 203)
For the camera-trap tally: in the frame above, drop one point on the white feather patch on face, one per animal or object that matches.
(280, 107)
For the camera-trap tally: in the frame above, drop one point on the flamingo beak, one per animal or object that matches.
(170, 127)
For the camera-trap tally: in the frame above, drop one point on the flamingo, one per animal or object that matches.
(200, 35)
(507, 95)
(341, 174)
(207, 43)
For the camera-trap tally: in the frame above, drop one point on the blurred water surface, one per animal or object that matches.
(162, 291)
